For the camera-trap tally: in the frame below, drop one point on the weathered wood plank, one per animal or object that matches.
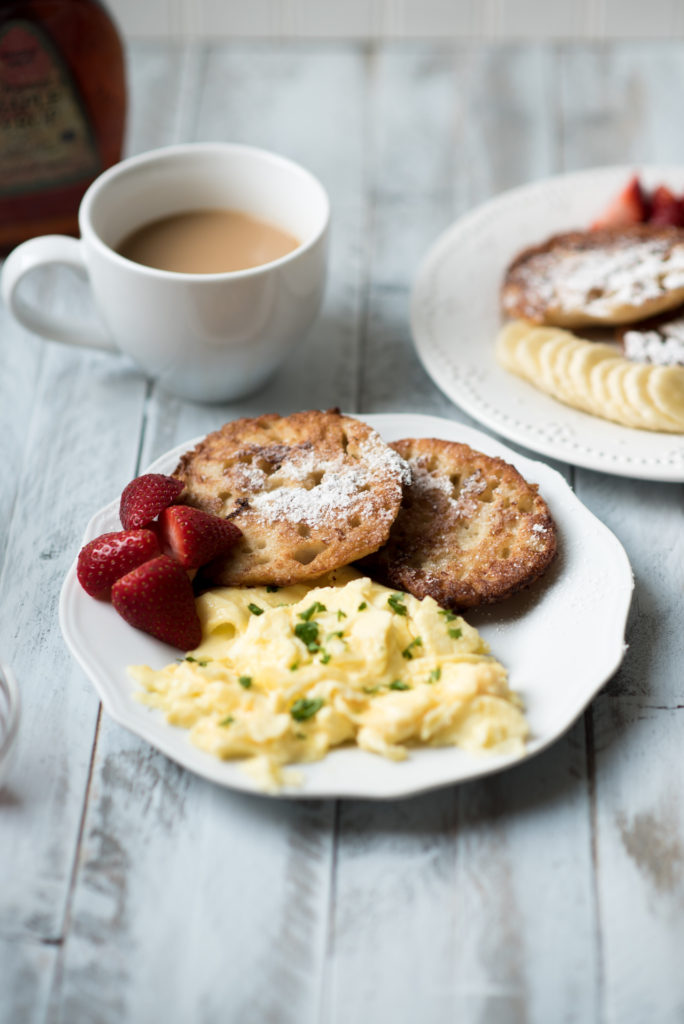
(618, 104)
(193, 903)
(234, 891)
(618, 107)
(43, 801)
(162, 89)
(416, 104)
(473, 904)
(21, 356)
(25, 971)
(79, 447)
(442, 894)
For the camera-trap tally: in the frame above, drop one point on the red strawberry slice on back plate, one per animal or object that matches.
(194, 537)
(145, 497)
(666, 208)
(629, 206)
(157, 598)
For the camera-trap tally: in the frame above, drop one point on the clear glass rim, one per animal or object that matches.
(10, 691)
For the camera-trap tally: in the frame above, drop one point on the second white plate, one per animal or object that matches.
(455, 318)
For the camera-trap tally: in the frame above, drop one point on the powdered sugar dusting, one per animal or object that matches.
(461, 497)
(466, 500)
(295, 484)
(663, 347)
(598, 280)
(474, 484)
(425, 480)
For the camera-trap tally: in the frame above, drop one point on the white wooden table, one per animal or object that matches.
(131, 890)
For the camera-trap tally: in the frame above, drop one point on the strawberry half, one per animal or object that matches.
(144, 498)
(629, 206)
(104, 560)
(157, 598)
(193, 537)
(666, 208)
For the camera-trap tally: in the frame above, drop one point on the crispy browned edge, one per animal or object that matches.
(528, 306)
(390, 566)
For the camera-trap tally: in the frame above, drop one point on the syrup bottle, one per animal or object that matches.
(62, 111)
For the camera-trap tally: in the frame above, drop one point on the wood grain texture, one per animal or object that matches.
(25, 971)
(552, 892)
(251, 880)
(191, 901)
(446, 885)
(636, 724)
(42, 806)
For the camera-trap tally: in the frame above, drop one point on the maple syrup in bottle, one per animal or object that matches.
(62, 111)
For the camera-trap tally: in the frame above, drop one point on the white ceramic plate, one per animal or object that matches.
(455, 318)
(560, 641)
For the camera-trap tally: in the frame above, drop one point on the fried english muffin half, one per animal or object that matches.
(605, 277)
(470, 530)
(311, 492)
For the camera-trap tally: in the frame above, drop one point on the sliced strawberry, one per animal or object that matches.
(143, 499)
(157, 597)
(193, 537)
(666, 208)
(104, 560)
(629, 206)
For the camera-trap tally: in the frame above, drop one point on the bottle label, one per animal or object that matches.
(45, 136)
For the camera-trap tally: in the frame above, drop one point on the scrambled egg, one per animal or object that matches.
(282, 675)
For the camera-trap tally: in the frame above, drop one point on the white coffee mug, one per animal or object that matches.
(208, 337)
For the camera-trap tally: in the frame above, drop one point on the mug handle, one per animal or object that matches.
(42, 252)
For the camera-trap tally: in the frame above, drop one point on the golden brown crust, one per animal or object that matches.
(470, 530)
(603, 277)
(311, 492)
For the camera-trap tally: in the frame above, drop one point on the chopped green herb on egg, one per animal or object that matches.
(314, 609)
(416, 642)
(306, 707)
(396, 603)
(307, 632)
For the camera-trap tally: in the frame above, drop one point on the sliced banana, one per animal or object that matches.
(636, 385)
(552, 355)
(507, 344)
(566, 388)
(666, 388)
(624, 412)
(529, 350)
(601, 396)
(511, 333)
(585, 355)
(594, 377)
